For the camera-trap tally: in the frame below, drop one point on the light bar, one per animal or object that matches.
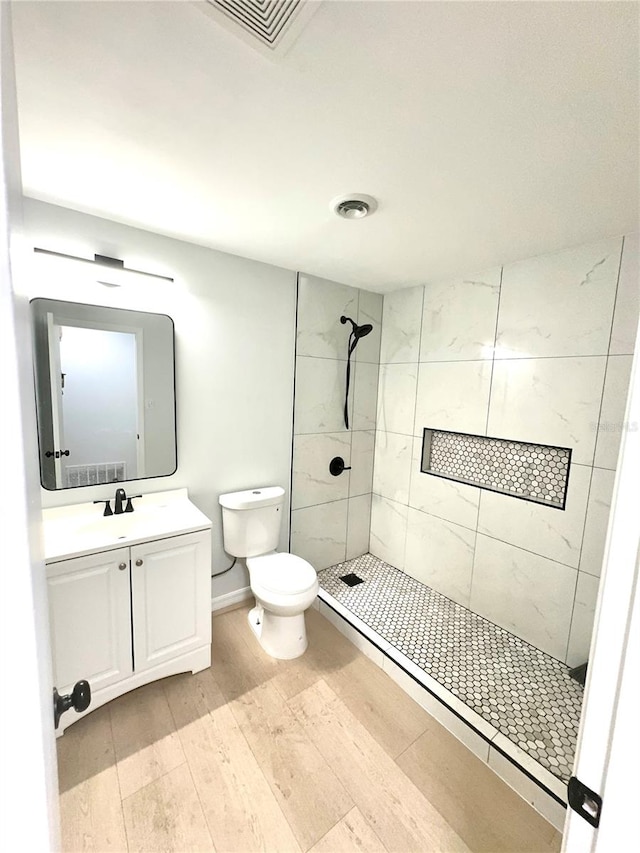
(102, 261)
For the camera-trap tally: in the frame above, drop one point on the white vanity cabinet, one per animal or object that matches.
(90, 619)
(123, 616)
(169, 578)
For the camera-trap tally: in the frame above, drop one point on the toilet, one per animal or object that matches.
(284, 585)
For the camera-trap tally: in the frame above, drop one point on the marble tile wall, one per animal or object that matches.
(330, 516)
(539, 351)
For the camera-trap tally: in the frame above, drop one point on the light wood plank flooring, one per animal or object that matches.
(323, 754)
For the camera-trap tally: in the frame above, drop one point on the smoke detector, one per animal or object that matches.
(354, 206)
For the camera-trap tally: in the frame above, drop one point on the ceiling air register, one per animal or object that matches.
(263, 23)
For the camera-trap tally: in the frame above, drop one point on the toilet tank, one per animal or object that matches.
(251, 521)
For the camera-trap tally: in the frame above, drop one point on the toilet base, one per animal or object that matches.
(282, 637)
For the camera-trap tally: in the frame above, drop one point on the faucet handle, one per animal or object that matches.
(107, 507)
(129, 507)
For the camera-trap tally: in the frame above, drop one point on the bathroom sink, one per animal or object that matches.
(82, 528)
(116, 526)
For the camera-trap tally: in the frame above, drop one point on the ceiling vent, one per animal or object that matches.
(271, 26)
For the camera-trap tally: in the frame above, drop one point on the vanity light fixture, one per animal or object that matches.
(354, 206)
(113, 268)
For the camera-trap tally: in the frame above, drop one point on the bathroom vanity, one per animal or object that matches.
(129, 594)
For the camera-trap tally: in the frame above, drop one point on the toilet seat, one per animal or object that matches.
(281, 573)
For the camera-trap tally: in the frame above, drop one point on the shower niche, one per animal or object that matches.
(531, 472)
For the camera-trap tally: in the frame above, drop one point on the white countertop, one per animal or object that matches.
(80, 529)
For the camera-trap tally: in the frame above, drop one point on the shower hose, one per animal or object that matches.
(353, 340)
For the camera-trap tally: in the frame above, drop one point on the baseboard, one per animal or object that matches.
(219, 602)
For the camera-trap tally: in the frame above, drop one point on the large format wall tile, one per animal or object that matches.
(551, 532)
(595, 531)
(548, 401)
(312, 481)
(614, 403)
(625, 316)
(559, 305)
(361, 474)
(369, 311)
(320, 306)
(397, 397)
(363, 394)
(440, 554)
(358, 524)
(319, 395)
(524, 593)
(388, 530)
(319, 533)
(459, 318)
(453, 396)
(402, 317)
(322, 503)
(584, 610)
(392, 466)
(447, 499)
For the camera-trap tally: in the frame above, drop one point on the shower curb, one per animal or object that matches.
(533, 782)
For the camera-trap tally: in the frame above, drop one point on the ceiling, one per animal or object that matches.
(487, 131)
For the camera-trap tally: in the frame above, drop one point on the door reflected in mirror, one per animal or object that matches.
(104, 392)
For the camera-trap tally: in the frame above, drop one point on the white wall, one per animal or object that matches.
(536, 351)
(234, 325)
(330, 518)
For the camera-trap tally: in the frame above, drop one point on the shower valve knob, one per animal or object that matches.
(337, 466)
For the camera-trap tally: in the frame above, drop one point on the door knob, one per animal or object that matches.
(79, 699)
(122, 566)
(138, 562)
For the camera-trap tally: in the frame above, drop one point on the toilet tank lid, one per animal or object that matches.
(252, 498)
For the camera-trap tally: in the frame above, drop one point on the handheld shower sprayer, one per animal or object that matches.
(357, 331)
(355, 334)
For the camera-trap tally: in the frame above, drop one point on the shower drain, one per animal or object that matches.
(351, 579)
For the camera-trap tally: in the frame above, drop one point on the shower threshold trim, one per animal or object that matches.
(528, 707)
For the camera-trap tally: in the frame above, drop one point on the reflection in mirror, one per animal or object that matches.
(105, 394)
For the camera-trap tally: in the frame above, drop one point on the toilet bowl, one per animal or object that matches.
(284, 587)
(283, 584)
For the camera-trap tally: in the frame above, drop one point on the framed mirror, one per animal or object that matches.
(105, 394)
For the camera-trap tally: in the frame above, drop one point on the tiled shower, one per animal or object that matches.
(330, 517)
(537, 352)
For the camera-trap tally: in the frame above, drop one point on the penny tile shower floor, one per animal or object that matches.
(524, 693)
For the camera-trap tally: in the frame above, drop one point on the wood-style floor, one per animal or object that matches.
(323, 754)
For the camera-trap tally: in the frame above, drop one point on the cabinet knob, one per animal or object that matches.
(122, 566)
(138, 562)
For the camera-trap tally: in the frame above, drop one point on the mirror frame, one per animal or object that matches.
(97, 316)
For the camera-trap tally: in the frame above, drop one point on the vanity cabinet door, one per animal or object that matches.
(90, 619)
(171, 597)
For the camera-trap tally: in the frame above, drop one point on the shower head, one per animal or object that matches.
(357, 331)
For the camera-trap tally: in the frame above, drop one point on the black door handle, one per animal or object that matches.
(79, 699)
(337, 466)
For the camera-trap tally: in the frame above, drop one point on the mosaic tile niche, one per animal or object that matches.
(532, 472)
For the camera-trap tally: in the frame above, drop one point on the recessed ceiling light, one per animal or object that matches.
(354, 206)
